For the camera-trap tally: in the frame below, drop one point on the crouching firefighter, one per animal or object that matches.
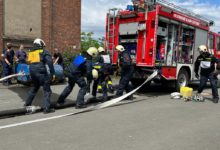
(80, 67)
(104, 82)
(38, 58)
(209, 69)
(127, 69)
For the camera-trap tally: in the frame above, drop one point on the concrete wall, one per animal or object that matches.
(57, 22)
(22, 18)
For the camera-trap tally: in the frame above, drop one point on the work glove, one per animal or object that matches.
(197, 75)
(215, 73)
(53, 77)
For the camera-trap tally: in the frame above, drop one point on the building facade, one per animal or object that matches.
(57, 22)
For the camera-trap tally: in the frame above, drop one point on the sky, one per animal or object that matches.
(94, 12)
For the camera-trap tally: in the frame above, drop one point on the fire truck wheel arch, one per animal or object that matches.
(182, 78)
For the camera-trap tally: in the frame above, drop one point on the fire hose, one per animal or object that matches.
(12, 76)
(33, 109)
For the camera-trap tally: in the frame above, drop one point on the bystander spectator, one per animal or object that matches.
(8, 62)
(20, 55)
(57, 57)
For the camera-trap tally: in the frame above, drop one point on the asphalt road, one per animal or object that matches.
(152, 121)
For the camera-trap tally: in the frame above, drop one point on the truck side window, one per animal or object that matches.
(211, 41)
(218, 43)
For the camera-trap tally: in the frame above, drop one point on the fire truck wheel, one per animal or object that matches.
(182, 80)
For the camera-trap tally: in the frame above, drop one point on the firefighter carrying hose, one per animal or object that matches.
(104, 82)
(80, 67)
(207, 62)
(38, 58)
(127, 69)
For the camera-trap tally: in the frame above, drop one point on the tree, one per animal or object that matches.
(87, 40)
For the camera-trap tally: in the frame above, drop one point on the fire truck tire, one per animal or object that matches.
(138, 82)
(182, 79)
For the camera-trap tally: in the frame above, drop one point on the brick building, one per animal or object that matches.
(57, 22)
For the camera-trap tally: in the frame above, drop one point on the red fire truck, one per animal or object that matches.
(160, 36)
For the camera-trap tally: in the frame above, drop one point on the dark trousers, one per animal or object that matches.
(94, 87)
(40, 79)
(124, 82)
(7, 70)
(213, 80)
(80, 81)
(103, 81)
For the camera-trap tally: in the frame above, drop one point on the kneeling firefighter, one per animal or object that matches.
(38, 58)
(104, 82)
(80, 67)
(127, 69)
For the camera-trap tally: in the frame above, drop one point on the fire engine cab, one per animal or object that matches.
(160, 35)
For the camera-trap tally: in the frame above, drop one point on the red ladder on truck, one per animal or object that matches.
(110, 41)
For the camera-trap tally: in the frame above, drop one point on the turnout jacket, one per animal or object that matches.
(38, 65)
(125, 61)
(206, 62)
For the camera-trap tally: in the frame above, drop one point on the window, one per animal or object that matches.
(211, 41)
(218, 43)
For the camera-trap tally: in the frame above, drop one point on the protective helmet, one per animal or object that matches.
(92, 51)
(39, 43)
(95, 74)
(120, 48)
(203, 48)
(175, 95)
(101, 49)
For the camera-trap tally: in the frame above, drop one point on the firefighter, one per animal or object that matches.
(38, 58)
(139, 5)
(107, 70)
(80, 67)
(127, 69)
(206, 62)
(104, 82)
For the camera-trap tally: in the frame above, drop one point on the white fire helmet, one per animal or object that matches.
(175, 95)
(203, 48)
(39, 43)
(95, 74)
(120, 48)
(92, 51)
(101, 49)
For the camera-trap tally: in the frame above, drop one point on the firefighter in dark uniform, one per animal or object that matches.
(80, 67)
(38, 58)
(127, 69)
(207, 63)
(104, 82)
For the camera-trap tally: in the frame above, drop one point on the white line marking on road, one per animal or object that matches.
(34, 121)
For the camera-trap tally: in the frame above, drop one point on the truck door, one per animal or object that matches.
(146, 49)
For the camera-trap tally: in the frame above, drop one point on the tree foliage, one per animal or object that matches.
(87, 40)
